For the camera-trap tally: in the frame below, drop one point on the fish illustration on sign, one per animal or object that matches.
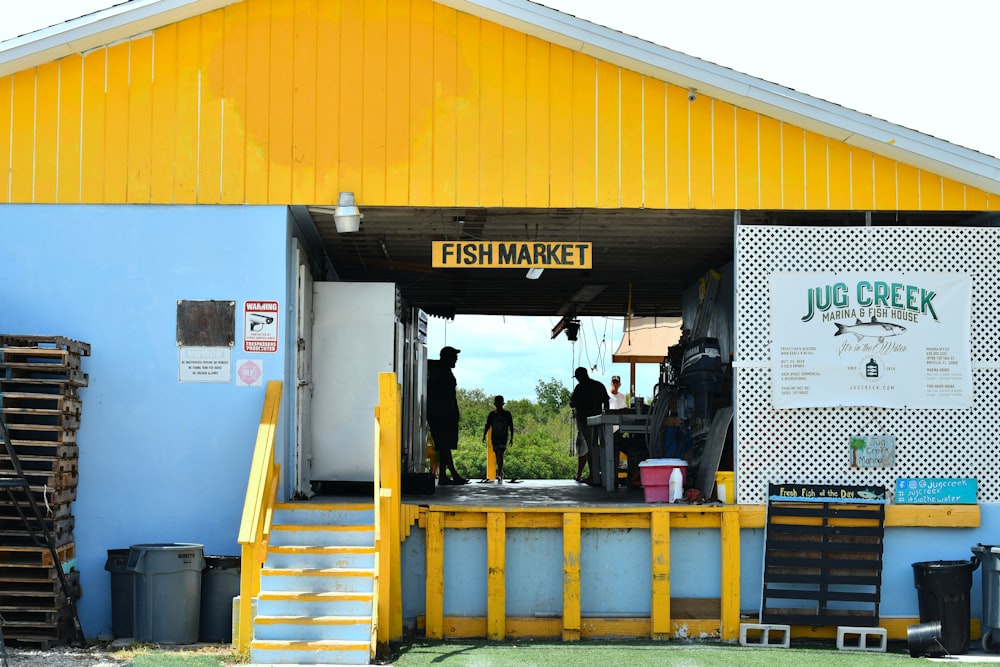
(872, 329)
(870, 495)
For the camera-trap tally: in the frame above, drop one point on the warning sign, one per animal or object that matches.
(260, 326)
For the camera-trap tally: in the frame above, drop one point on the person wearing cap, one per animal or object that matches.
(616, 399)
(632, 445)
(589, 398)
(442, 413)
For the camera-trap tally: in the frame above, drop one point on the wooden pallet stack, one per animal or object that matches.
(39, 399)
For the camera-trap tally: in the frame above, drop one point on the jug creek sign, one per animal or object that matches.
(881, 339)
(937, 490)
(512, 254)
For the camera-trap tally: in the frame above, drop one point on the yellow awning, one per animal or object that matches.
(646, 339)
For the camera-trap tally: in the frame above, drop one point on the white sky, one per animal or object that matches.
(928, 65)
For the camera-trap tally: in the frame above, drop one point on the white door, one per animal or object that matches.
(303, 375)
(354, 339)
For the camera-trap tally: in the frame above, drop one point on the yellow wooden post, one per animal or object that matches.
(249, 587)
(383, 513)
(496, 580)
(571, 576)
(730, 602)
(491, 456)
(659, 537)
(434, 597)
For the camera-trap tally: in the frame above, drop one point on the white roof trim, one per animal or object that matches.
(857, 129)
(97, 29)
(741, 90)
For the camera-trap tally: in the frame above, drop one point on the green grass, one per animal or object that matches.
(417, 653)
(151, 655)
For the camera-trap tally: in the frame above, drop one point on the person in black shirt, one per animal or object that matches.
(589, 398)
(502, 423)
(442, 413)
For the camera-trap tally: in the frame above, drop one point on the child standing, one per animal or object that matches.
(502, 423)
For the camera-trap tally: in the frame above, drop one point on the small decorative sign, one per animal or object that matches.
(822, 493)
(249, 373)
(873, 451)
(936, 491)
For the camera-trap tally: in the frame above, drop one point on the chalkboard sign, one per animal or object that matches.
(936, 491)
(825, 493)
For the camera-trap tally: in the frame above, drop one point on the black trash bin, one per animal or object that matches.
(122, 593)
(220, 583)
(943, 588)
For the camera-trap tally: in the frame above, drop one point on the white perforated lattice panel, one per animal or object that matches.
(809, 446)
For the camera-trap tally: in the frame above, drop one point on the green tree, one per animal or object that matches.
(552, 394)
(542, 434)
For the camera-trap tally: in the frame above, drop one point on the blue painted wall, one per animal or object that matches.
(614, 568)
(160, 461)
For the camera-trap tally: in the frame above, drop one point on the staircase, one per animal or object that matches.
(315, 600)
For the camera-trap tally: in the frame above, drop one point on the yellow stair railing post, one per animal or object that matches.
(389, 471)
(258, 506)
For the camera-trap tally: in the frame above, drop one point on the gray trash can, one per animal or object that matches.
(989, 556)
(167, 591)
(220, 583)
(122, 593)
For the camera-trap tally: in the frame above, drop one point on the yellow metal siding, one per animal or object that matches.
(68, 149)
(410, 103)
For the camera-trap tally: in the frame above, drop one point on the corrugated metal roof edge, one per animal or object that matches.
(881, 137)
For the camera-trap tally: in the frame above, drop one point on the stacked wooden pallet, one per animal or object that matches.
(39, 400)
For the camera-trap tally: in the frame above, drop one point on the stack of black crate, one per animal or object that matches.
(40, 377)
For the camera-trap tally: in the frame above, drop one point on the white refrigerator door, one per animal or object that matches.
(354, 339)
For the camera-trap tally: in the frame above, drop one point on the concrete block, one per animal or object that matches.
(850, 638)
(770, 635)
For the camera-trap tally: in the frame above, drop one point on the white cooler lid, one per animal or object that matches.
(676, 463)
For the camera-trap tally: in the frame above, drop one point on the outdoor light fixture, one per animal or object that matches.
(347, 217)
(572, 328)
(534, 273)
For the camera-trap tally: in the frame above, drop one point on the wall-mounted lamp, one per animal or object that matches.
(534, 273)
(347, 217)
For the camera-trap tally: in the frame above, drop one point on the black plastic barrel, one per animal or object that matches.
(943, 588)
(167, 591)
(220, 583)
(122, 593)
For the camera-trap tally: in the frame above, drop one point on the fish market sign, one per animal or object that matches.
(512, 254)
(873, 339)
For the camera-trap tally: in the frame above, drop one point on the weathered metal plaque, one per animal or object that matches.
(206, 323)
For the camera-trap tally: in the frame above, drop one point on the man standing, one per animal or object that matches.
(616, 398)
(500, 426)
(442, 413)
(589, 398)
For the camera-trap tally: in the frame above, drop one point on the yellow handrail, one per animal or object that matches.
(255, 526)
(387, 602)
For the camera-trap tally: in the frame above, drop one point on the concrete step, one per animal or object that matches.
(313, 628)
(324, 513)
(327, 603)
(321, 652)
(297, 534)
(326, 557)
(318, 580)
